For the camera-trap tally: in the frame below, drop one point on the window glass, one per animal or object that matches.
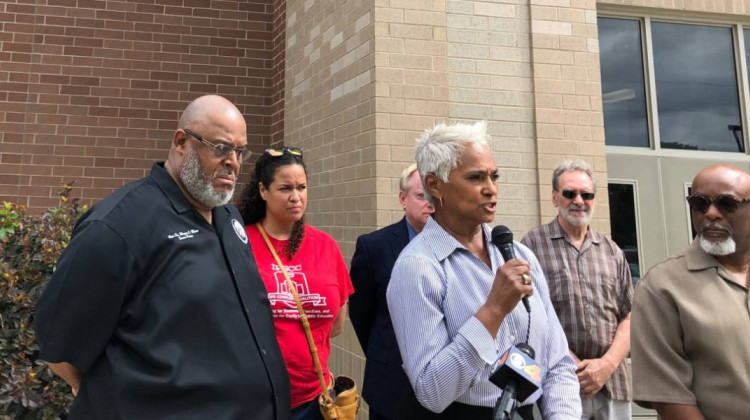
(624, 227)
(696, 87)
(623, 87)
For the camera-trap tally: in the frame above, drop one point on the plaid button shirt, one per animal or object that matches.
(591, 291)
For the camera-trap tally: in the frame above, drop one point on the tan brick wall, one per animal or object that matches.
(329, 110)
(411, 83)
(705, 7)
(91, 90)
(567, 92)
(490, 78)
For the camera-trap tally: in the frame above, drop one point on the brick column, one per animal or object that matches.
(567, 92)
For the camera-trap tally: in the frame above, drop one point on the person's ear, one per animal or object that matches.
(179, 141)
(263, 191)
(433, 185)
(402, 199)
(555, 199)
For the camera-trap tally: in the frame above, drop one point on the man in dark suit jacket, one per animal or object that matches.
(376, 252)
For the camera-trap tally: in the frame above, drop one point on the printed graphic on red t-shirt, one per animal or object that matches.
(282, 299)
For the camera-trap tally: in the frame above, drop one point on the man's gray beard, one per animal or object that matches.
(720, 249)
(574, 221)
(199, 184)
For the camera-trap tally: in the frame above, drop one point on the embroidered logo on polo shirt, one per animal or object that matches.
(239, 230)
(183, 235)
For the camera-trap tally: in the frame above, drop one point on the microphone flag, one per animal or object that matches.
(518, 366)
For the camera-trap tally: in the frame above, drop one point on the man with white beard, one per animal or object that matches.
(591, 290)
(156, 308)
(691, 318)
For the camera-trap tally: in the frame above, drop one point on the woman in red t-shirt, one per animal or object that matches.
(276, 199)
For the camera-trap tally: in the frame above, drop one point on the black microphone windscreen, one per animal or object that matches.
(501, 235)
(502, 238)
(527, 350)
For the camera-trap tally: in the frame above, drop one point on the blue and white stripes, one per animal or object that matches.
(436, 287)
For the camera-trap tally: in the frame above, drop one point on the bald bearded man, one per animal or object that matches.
(690, 341)
(156, 309)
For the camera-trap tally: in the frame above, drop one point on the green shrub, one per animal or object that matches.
(29, 248)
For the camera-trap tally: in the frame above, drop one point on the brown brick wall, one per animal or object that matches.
(91, 90)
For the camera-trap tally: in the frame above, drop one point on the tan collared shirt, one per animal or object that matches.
(591, 290)
(691, 337)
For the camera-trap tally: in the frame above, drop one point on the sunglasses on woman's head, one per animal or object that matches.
(296, 151)
(571, 195)
(725, 203)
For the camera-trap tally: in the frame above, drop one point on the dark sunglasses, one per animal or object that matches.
(571, 195)
(222, 150)
(724, 203)
(296, 151)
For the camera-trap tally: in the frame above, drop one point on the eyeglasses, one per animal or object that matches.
(724, 203)
(571, 195)
(222, 150)
(296, 151)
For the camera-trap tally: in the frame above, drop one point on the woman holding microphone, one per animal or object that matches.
(454, 301)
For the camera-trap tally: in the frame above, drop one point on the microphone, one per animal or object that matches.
(502, 238)
(518, 375)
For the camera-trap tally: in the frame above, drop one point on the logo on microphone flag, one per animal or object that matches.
(534, 371)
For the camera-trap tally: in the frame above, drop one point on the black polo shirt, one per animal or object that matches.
(164, 314)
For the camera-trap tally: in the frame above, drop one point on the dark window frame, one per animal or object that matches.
(633, 184)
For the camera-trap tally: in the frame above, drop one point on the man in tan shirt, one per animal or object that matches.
(691, 313)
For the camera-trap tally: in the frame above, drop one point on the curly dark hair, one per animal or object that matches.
(252, 207)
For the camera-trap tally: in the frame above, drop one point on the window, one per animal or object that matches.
(693, 99)
(622, 216)
(623, 87)
(696, 87)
